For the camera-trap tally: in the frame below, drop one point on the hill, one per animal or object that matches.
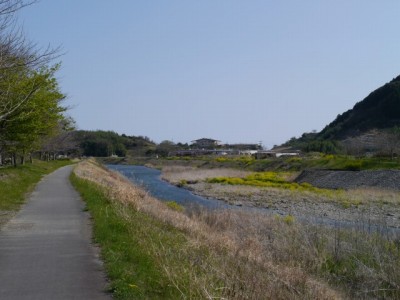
(378, 112)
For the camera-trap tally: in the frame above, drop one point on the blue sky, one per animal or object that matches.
(236, 71)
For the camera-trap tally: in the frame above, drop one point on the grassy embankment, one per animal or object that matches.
(15, 183)
(152, 250)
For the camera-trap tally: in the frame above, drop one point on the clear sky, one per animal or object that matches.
(232, 70)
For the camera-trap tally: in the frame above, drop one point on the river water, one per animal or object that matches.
(151, 180)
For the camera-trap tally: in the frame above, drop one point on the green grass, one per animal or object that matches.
(343, 162)
(139, 251)
(308, 161)
(175, 206)
(15, 183)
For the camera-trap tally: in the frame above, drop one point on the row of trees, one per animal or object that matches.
(31, 110)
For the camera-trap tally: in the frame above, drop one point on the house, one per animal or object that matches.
(205, 143)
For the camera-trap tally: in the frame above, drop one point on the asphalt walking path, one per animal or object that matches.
(46, 250)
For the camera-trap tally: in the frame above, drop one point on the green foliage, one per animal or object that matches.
(101, 143)
(311, 143)
(379, 110)
(221, 159)
(36, 99)
(106, 143)
(341, 162)
(166, 147)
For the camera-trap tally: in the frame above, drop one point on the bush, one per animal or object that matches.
(353, 166)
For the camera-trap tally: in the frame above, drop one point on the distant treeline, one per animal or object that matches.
(108, 143)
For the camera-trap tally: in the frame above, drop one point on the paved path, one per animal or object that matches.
(46, 251)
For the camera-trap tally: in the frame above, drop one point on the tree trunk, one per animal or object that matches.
(14, 159)
(22, 158)
(31, 158)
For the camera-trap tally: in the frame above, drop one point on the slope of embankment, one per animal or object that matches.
(381, 179)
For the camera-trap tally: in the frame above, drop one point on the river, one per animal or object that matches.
(150, 180)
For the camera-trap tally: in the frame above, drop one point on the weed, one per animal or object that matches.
(221, 159)
(175, 206)
(345, 203)
(182, 183)
(288, 219)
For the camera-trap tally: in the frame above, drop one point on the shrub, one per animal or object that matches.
(353, 166)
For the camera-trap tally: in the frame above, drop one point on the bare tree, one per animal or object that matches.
(15, 50)
(63, 141)
(17, 56)
(389, 141)
(353, 146)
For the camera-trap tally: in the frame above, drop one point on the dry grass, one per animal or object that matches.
(176, 174)
(373, 195)
(374, 206)
(248, 255)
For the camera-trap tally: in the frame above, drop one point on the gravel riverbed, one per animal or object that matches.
(367, 198)
(373, 211)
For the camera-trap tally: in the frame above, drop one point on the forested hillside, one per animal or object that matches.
(380, 110)
(373, 124)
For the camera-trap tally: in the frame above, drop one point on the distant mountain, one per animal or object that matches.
(379, 110)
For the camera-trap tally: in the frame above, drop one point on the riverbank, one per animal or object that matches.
(228, 253)
(156, 250)
(363, 206)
